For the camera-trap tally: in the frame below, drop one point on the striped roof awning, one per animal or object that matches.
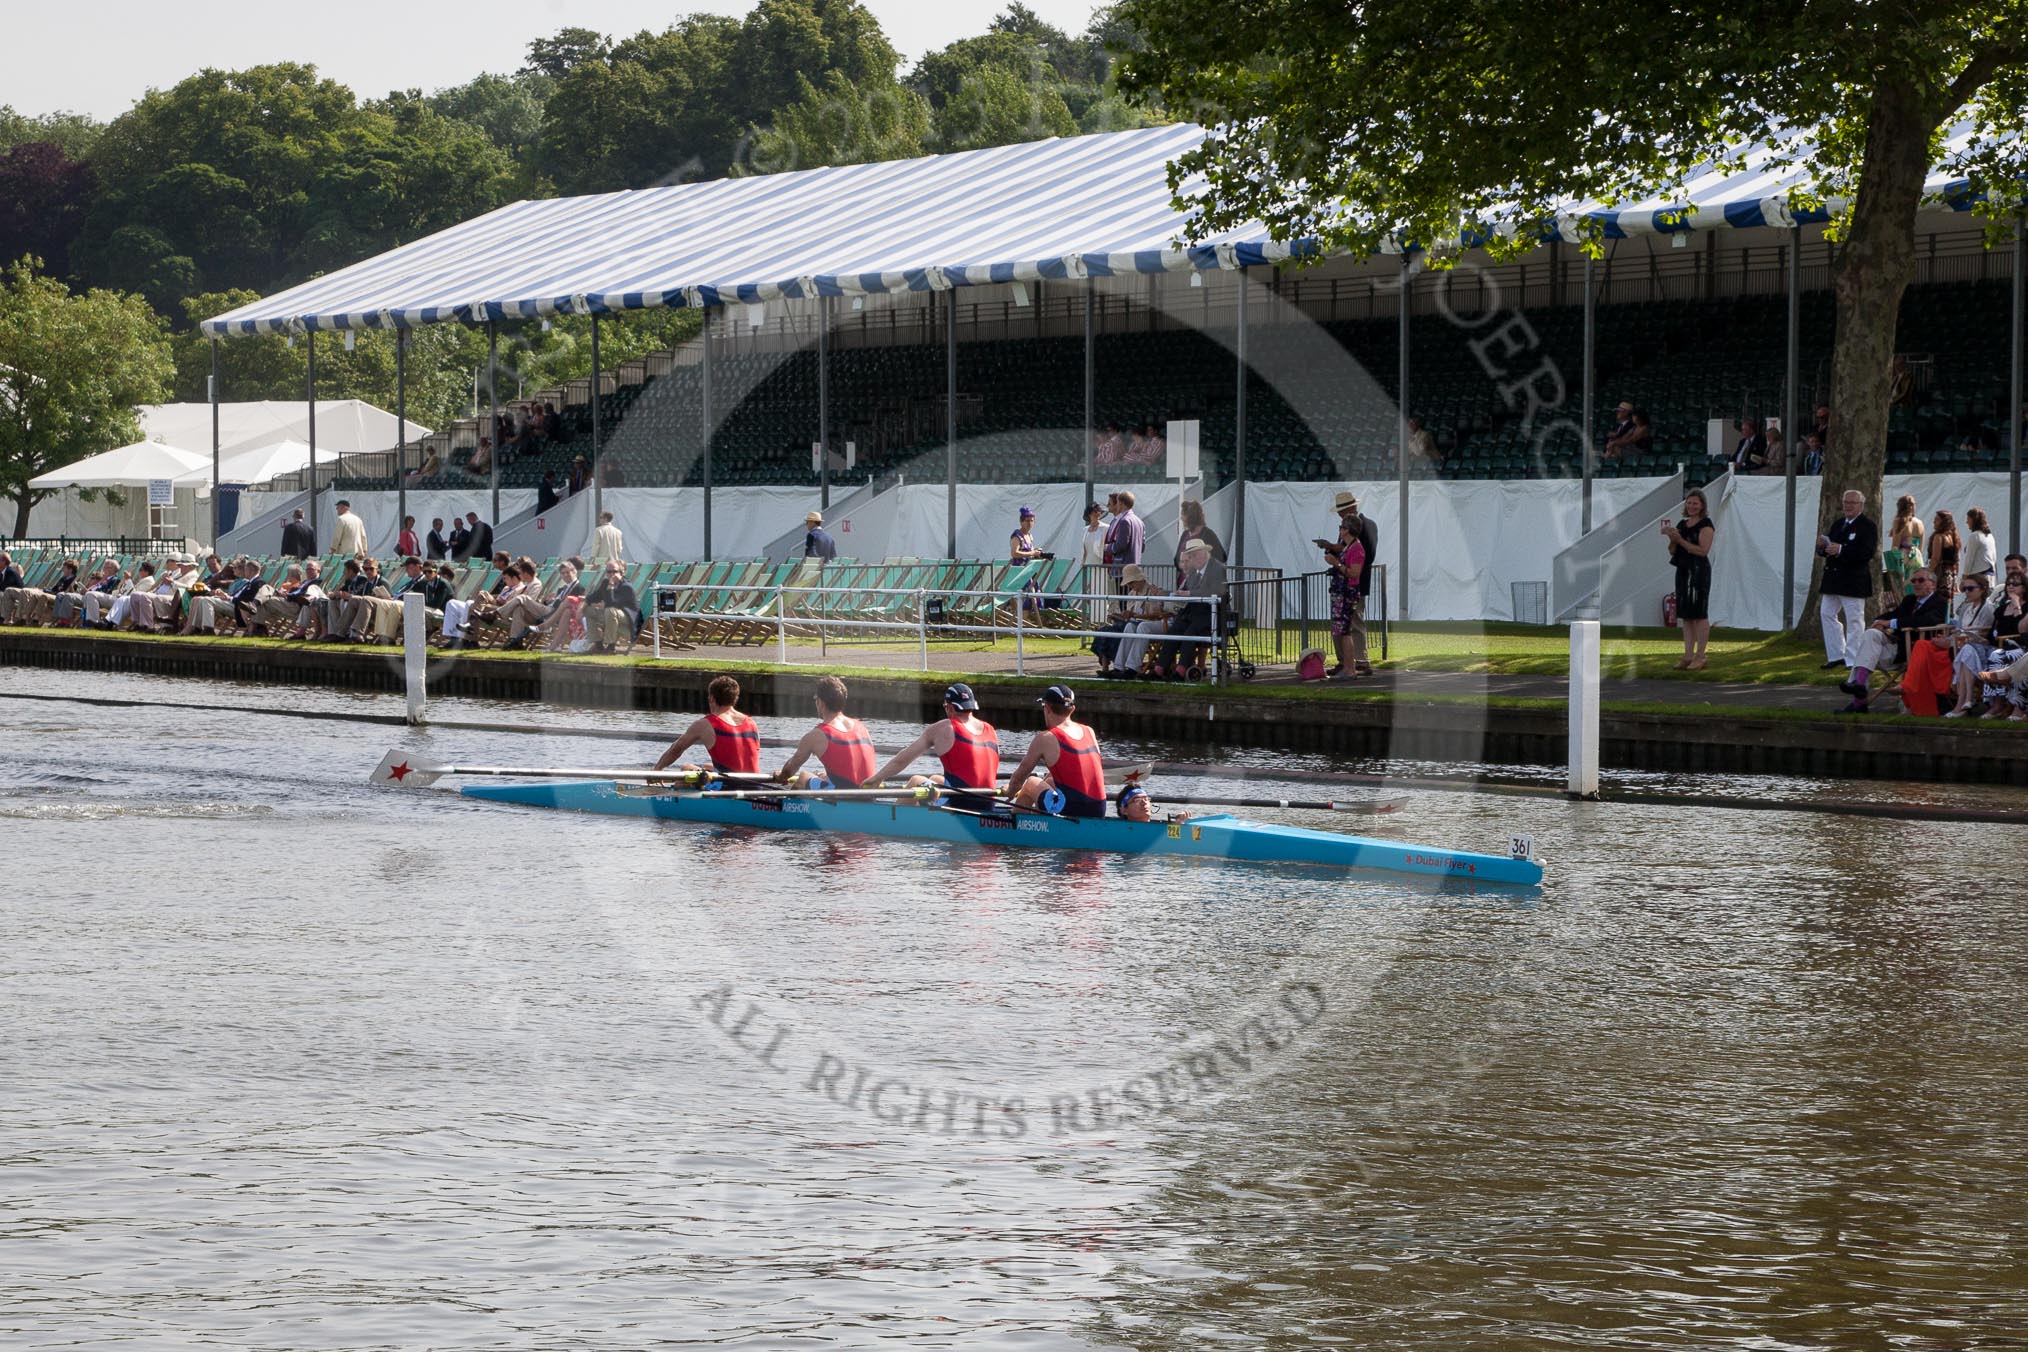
(1069, 208)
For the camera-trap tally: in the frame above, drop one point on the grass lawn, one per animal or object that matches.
(1746, 656)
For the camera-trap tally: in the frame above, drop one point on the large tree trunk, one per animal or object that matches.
(23, 505)
(1876, 262)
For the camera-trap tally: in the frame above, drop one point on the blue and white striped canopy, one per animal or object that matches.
(1084, 206)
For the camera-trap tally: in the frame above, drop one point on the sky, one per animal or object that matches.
(98, 58)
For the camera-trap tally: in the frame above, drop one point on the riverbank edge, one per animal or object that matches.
(1364, 723)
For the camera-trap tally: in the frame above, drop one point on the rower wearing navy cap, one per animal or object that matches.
(966, 744)
(729, 736)
(1063, 756)
(842, 744)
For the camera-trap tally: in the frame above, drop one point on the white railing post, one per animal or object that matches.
(781, 628)
(1217, 643)
(655, 619)
(1584, 692)
(1020, 613)
(414, 640)
(922, 626)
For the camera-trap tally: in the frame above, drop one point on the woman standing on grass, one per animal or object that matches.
(1903, 554)
(1944, 547)
(1690, 542)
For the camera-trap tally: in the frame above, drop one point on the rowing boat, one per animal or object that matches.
(1211, 837)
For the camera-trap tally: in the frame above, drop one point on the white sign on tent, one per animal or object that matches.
(161, 493)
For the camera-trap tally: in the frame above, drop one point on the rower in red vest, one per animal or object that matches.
(729, 737)
(1065, 756)
(841, 744)
(963, 741)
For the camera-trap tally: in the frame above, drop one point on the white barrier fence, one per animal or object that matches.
(930, 617)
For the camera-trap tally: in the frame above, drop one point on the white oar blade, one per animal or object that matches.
(399, 770)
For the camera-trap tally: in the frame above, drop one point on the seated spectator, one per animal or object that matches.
(482, 458)
(1202, 577)
(150, 608)
(432, 463)
(1777, 461)
(68, 607)
(11, 584)
(1620, 436)
(552, 425)
(1749, 453)
(216, 609)
(2005, 680)
(290, 605)
(1422, 443)
(218, 574)
(1111, 448)
(37, 605)
(1812, 461)
(320, 613)
(1820, 424)
(1900, 384)
(612, 473)
(1130, 614)
(1888, 642)
(102, 601)
(612, 610)
(461, 615)
(1137, 447)
(539, 612)
(378, 618)
(1971, 638)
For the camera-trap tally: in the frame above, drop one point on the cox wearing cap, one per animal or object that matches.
(1063, 756)
(967, 745)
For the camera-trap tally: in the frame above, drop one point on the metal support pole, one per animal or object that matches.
(493, 414)
(824, 402)
(1090, 383)
(310, 396)
(217, 514)
(1589, 396)
(951, 423)
(1790, 413)
(1238, 551)
(2014, 355)
(400, 430)
(704, 390)
(1401, 432)
(597, 473)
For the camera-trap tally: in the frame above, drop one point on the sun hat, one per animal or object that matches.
(1345, 501)
(814, 519)
(1133, 572)
(1028, 512)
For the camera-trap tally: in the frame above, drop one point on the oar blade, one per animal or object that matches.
(400, 770)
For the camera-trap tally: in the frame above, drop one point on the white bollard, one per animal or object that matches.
(414, 640)
(1584, 644)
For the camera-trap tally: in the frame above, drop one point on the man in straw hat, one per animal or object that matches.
(817, 542)
(1350, 561)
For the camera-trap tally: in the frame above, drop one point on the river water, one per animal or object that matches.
(289, 1061)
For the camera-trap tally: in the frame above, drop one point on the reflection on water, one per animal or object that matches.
(287, 1061)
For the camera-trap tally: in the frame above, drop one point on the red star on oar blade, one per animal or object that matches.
(398, 771)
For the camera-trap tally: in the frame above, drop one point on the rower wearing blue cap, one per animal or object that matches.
(1063, 757)
(966, 744)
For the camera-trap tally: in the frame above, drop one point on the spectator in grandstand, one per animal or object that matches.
(1109, 448)
(1979, 550)
(1777, 461)
(1973, 617)
(552, 425)
(817, 542)
(580, 477)
(611, 472)
(607, 545)
(1886, 642)
(111, 589)
(1690, 542)
(438, 546)
(482, 458)
(1126, 538)
(1944, 547)
(1422, 443)
(1619, 437)
(1749, 453)
(1900, 384)
(1847, 547)
(432, 463)
(612, 610)
(1137, 447)
(546, 495)
(1820, 425)
(1903, 554)
(1812, 461)
(1190, 526)
(1200, 577)
(298, 540)
(405, 542)
(23, 604)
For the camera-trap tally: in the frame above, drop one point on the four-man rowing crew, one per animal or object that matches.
(1056, 797)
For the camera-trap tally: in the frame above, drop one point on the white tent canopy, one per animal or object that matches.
(344, 426)
(252, 464)
(127, 467)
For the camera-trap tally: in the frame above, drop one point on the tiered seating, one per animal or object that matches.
(1021, 403)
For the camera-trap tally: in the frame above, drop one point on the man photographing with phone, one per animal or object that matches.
(1350, 561)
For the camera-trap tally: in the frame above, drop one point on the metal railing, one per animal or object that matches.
(927, 612)
(95, 544)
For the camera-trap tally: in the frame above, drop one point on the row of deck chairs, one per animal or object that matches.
(739, 602)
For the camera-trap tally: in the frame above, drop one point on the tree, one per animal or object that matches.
(1354, 124)
(43, 196)
(508, 108)
(558, 56)
(73, 370)
(842, 124)
(648, 112)
(74, 132)
(995, 108)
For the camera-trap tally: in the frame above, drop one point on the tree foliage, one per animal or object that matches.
(74, 132)
(44, 194)
(73, 369)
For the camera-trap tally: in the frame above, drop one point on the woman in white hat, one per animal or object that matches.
(1141, 616)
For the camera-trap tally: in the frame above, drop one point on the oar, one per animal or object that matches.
(400, 770)
(1371, 807)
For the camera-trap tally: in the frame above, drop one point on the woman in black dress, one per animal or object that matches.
(1690, 542)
